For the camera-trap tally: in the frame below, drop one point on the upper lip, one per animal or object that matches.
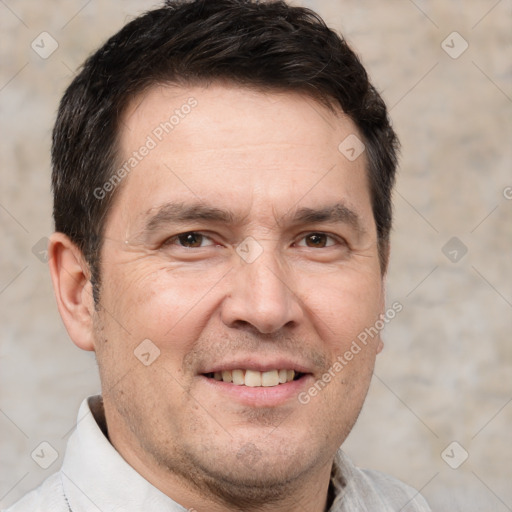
(259, 364)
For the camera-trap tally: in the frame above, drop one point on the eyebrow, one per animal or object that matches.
(336, 213)
(181, 212)
(174, 213)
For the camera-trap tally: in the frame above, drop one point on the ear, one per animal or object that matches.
(386, 249)
(73, 290)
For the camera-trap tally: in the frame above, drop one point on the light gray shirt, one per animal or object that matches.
(95, 478)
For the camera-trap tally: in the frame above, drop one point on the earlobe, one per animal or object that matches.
(72, 287)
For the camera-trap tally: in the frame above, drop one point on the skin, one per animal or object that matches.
(262, 157)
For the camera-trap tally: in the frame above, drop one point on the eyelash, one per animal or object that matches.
(171, 241)
(175, 238)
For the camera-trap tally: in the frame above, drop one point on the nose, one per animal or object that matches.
(261, 297)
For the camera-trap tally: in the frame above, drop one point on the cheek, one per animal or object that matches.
(343, 303)
(159, 301)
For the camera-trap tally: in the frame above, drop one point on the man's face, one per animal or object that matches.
(243, 242)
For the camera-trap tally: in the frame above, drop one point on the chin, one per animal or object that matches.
(251, 478)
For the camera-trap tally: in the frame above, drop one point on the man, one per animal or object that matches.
(222, 180)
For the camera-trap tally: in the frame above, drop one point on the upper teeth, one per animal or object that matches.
(253, 378)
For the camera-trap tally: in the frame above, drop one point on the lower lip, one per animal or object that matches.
(260, 396)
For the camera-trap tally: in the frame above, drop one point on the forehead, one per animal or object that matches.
(231, 114)
(237, 146)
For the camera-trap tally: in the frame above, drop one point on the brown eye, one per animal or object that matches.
(318, 240)
(191, 239)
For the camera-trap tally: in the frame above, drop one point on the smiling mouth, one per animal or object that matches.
(254, 378)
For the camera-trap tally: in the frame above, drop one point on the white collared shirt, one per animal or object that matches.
(95, 478)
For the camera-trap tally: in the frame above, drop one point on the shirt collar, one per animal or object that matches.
(90, 457)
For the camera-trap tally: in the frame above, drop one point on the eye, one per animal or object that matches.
(190, 240)
(316, 240)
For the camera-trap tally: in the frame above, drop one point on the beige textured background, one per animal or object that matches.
(446, 372)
